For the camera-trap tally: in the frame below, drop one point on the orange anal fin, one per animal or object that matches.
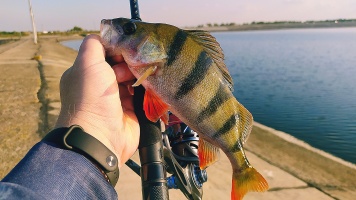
(208, 153)
(154, 107)
(248, 180)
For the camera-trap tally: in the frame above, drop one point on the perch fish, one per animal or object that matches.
(183, 71)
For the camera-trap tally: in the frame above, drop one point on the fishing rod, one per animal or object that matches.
(135, 14)
(157, 157)
(153, 171)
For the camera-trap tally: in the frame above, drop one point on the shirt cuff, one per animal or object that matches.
(56, 173)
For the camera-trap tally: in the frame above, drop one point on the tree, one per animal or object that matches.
(76, 29)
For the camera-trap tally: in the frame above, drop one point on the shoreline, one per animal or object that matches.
(290, 138)
(280, 157)
(266, 26)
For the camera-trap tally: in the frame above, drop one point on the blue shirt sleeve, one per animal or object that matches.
(48, 172)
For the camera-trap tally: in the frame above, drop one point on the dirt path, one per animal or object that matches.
(19, 116)
(29, 97)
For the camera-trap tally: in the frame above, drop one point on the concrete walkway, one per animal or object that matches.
(29, 105)
(282, 184)
(19, 106)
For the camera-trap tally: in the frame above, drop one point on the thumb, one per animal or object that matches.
(91, 52)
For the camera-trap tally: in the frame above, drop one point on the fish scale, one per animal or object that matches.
(186, 74)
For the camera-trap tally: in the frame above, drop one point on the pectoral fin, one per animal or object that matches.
(154, 107)
(208, 153)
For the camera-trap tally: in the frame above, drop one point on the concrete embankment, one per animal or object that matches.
(29, 105)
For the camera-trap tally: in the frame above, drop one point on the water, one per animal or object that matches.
(74, 44)
(302, 82)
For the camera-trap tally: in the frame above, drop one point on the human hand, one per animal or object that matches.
(95, 96)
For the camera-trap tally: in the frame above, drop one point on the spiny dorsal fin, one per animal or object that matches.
(212, 47)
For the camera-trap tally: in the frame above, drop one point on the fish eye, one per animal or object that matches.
(129, 28)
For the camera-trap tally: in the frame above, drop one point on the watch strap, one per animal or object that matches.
(76, 139)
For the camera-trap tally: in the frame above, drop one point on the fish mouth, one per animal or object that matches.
(105, 29)
(109, 36)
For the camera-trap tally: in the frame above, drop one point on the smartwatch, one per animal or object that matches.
(76, 139)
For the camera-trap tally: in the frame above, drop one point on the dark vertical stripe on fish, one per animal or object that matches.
(236, 147)
(229, 124)
(197, 74)
(219, 98)
(176, 46)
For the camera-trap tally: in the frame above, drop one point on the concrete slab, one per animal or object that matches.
(282, 184)
(19, 107)
(292, 194)
(275, 177)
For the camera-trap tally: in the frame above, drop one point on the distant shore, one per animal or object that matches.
(258, 26)
(269, 26)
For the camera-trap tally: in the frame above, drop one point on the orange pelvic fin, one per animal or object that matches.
(154, 107)
(248, 180)
(208, 153)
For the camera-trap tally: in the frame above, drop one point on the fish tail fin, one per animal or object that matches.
(245, 181)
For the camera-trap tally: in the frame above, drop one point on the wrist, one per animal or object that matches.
(75, 139)
(93, 126)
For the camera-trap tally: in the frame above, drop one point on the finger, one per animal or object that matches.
(126, 98)
(122, 73)
(115, 59)
(91, 52)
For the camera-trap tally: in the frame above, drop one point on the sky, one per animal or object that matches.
(63, 15)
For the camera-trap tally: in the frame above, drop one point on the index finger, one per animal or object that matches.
(122, 72)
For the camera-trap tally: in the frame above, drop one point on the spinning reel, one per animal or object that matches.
(181, 157)
(180, 152)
